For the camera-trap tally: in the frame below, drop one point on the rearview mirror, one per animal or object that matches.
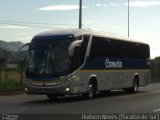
(73, 45)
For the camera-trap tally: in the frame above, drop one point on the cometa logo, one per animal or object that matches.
(113, 64)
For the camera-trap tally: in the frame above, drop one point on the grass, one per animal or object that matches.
(10, 82)
(10, 86)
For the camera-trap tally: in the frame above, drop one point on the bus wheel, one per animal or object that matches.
(51, 96)
(135, 86)
(91, 91)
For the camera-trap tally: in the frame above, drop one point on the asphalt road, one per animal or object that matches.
(147, 100)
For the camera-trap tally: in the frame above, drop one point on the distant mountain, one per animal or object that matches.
(10, 46)
(1, 53)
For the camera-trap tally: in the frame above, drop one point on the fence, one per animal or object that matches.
(11, 72)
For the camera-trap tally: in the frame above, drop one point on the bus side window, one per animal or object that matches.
(100, 47)
(114, 48)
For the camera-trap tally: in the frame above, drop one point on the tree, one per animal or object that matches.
(155, 68)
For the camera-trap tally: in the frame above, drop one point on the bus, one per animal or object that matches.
(85, 62)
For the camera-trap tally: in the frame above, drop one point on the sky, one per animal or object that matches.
(20, 20)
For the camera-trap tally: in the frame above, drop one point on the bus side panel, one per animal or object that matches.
(144, 77)
(103, 83)
(111, 79)
(108, 79)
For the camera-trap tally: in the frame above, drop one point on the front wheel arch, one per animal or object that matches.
(91, 88)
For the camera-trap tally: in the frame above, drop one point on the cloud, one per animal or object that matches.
(106, 5)
(88, 21)
(112, 4)
(60, 8)
(13, 27)
(143, 3)
(98, 5)
(132, 3)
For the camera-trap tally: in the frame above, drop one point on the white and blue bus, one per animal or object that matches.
(73, 62)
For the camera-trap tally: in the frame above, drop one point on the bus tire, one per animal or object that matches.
(135, 86)
(91, 91)
(52, 97)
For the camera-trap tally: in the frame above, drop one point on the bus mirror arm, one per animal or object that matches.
(73, 46)
(71, 51)
(19, 53)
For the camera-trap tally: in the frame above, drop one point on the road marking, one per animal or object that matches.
(157, 110)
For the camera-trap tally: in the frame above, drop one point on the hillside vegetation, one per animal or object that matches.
(155, 69)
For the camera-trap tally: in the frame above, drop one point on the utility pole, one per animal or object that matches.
(80, 14)
(128, 18)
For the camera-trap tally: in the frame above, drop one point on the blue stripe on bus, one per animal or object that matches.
(42, 78)
(100, 63)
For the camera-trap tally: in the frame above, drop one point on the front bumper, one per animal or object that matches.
(69, 87)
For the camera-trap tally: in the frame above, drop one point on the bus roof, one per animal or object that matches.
(78, 32)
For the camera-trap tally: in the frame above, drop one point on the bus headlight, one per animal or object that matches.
(25, 89)
(67, 89)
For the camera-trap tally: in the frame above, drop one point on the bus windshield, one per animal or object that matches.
(49, 57)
